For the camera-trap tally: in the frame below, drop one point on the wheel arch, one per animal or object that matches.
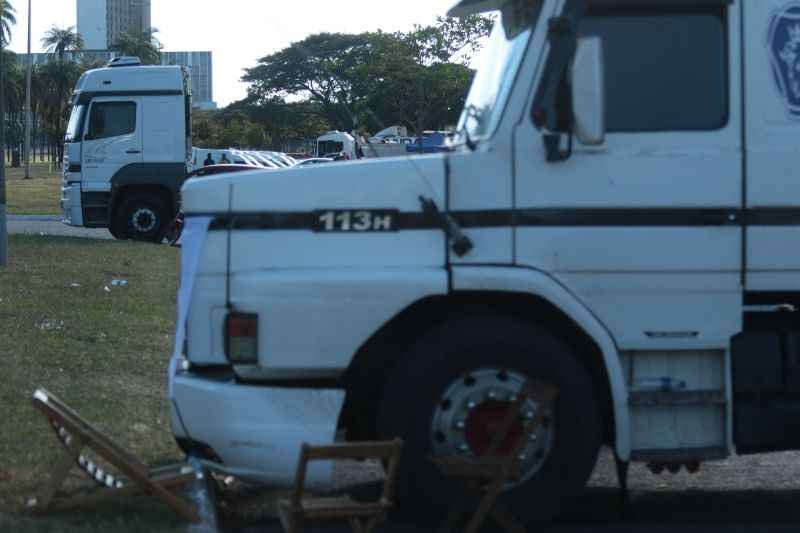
(512, 292)
(163, 179)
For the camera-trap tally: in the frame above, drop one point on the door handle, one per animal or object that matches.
(133, 151)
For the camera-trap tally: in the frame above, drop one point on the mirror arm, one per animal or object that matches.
(552, 147)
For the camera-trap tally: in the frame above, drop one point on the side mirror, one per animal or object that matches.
(588, 92)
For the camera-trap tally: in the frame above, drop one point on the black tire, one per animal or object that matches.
(459, 347)
(141, 217)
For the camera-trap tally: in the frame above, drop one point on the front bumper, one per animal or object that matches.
(256, 432)
(71, 207)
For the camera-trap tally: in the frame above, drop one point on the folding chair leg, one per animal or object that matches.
(484, 507)
(59, 473)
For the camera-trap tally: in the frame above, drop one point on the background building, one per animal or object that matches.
(199, 65)
(101, 22)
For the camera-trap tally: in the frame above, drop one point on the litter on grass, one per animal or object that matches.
(50, 325)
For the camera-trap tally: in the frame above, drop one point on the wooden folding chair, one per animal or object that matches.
(76, 434)
(485, 477)
(362, 516)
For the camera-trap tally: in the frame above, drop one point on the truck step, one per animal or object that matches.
(672, 398)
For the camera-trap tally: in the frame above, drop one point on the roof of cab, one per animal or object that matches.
(465, 8)
(132, 79)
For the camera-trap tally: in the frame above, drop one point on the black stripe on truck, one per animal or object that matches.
(500, 218)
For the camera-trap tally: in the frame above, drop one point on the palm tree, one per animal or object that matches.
(7, 20)
(56, 79)
(143, 45)
(60, 40)
(54, 83)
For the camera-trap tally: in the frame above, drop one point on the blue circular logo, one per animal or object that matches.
(783, 42)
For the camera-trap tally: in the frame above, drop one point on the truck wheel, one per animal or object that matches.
(454, 385)
(141, 217)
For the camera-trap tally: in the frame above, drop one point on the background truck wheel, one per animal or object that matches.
(452, 387)
(141, 217)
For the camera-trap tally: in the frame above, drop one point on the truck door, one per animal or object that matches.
(112, 140)
(645, 229)
(773, 136)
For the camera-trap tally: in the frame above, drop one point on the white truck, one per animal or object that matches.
(127, 147)
(337, 142)
(621, 218)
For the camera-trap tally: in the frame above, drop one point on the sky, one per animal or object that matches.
(239, 32)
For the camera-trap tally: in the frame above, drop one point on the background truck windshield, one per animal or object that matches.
(75, 120)
(330, 147)
(497, 68)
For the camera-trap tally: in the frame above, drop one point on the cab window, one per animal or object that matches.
(112, 119)
(665, 69)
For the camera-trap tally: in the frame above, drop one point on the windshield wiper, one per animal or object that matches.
(462, 244)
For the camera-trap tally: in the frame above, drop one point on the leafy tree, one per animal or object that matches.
(60, 40)
(226, 129)
(318, 68)
(418, 79)
(53, 83)
(143, 45)
(284, 122)
(7, 20)
(449, 40)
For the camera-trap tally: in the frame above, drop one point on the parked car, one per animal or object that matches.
(173, 233)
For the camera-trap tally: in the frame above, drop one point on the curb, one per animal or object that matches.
(34, 218)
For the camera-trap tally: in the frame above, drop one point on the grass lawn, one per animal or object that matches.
(103, 352)
(37, 196)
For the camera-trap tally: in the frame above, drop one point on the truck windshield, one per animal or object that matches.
(329, 147)
(75, 120)
(497, 69)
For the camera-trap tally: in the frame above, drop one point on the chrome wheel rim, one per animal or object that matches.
(144, 220)
(471, 408)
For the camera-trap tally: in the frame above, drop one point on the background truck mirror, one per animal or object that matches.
(588, 92)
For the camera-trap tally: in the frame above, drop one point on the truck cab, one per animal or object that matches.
(619, 216)
(335, 143)
(127, 147)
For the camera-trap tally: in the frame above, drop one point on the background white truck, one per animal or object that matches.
(622, 219)
(127, 147)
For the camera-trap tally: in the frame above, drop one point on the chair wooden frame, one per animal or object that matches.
(485, 477)
(75, 434)
(362, 516)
